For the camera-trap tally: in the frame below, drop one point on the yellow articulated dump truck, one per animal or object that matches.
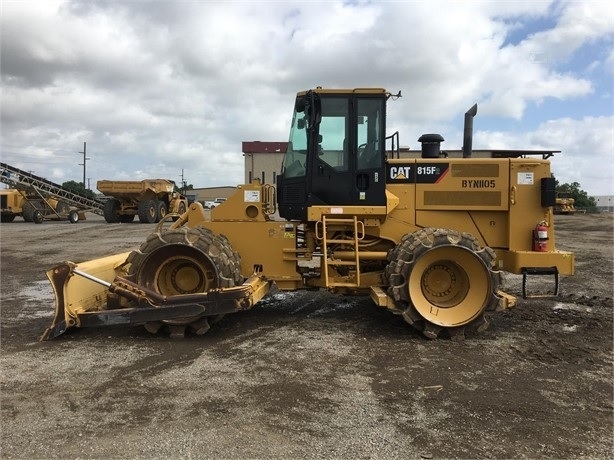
(149, 199)
(427, 238)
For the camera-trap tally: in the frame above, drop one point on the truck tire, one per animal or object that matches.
(183, 261)
(7, 217)
(126, 218)
(180, 210)
(162, 210)
(62, 207)
(442, 280)
(110, 211)
(148, 211)
(37, 217)
(29, 207)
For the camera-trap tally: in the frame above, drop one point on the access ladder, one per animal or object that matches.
(356, 231)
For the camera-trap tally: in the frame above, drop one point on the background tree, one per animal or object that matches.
(79, 188)
(581, 198)
(185, 187)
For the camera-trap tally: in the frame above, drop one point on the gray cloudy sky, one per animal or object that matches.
(155, 87)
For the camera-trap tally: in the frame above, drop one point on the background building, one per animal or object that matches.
(263, 160)
(605, 203)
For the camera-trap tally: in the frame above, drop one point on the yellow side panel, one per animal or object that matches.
(268, 245)
(489, 227)
(462, 184)
(526, 210)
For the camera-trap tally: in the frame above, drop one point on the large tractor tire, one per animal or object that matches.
(7, 217)
(126, 218)
(148, 211)
(162, 210)
(180, 210)
(184, 261)
(442, 280)
(62, 207)
(110, 211)
(30, 207)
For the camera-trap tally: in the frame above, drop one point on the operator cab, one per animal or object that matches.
(335, 155)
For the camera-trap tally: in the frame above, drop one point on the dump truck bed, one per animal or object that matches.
(133, 189)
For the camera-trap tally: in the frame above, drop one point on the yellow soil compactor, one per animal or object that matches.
(427, 237)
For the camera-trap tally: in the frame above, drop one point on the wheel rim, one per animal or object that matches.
(176, 270)
(449, 286)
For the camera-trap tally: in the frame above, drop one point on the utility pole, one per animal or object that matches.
(183, 182)
(83, 164)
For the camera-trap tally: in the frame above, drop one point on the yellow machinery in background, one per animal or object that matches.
(149, 199)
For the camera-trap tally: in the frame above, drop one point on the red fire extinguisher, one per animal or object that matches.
(540, 237)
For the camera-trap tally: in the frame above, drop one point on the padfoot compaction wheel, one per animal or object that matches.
(442, 280)
(185, 261)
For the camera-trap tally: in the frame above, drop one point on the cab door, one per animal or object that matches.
(348, 168)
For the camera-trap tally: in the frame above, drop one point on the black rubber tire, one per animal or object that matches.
(148, 211)
(62, 207)
(126, 218)
(453, 283)
(7, 218)
(37, 217)
(29, 207)
(110, 211)
(73, 217)
(162, 210)
(185, 260)
(180, 210)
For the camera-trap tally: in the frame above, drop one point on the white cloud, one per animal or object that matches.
(587, 156)
(156, 87)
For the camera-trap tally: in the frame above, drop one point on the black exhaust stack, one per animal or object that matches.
(431, 145)
(468, 135)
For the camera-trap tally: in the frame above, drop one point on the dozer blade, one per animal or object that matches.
(95, 293)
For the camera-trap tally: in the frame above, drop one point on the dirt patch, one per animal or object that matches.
(308, 374)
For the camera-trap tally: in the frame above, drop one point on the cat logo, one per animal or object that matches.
(400, 172)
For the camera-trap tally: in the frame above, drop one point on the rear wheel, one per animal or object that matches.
(148, 211)
(110, 211)
(442, 280)
(62, 207)
(162, 210)
(7, 217)
(37, 217)
(185, 261)
(180, 210)
(29, 207)
(126, 218)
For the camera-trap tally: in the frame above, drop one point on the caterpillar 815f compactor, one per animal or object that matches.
(427, 238)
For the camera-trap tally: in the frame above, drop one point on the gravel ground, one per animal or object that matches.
(308, 374)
